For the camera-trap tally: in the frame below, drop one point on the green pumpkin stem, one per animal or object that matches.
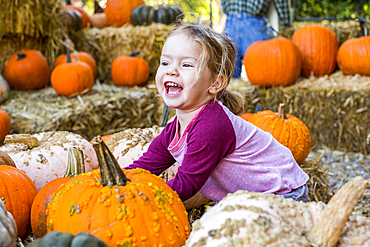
(111, 173)
(281, 111)
(21, 55)
(134, 54)
(69, 60)
(76, 163)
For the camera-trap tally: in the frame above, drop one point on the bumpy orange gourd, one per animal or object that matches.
(85, 17)
(318, 46)
(72, 78)
(17, 191)
(118, 12)
(27, 70)
(121, 207)
(79, 56)
(273, 62)
(129, 71)
(287, 129)
(354, 56)
(5, 124)
(39, 207)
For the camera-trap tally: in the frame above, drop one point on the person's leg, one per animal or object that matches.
(232, 29)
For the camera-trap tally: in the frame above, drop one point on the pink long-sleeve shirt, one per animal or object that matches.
(221, 153)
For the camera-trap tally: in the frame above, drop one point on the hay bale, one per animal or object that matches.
(108, 43)
(30, 24)
(344, 29)
(105, 110)
(335, 108)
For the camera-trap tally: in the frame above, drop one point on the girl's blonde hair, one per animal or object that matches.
(218, 53)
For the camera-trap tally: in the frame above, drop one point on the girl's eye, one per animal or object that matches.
(187, 65)
(164, 63)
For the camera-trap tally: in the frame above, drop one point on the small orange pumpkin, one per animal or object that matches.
(134, 207)
(85, 17)
(43, 197)
(27, 70)
(5, 124)
(17, 191)
(78, 56)
(72, 78)
(287, 129)
(247, 116)
(279, 56)
(118, 12)
(318, 46)
(130, 71)
(354, 56)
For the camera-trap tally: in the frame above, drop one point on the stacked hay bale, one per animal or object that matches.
(334, 107)
(29, 24)
(108, 43)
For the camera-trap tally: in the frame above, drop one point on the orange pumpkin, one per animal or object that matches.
(319, 47)
(85, 17)
(5, 124)
(130, 71)
(43, 197)
(99, 20)
(247, 116)
(354, 56)
(118, 12)
(27, 70)
(135, 207)
(72, 78)
(287, 129)
(279, 56)
(17, 191)
(78, 56)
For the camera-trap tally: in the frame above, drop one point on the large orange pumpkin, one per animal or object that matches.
(85, 17)
(118, 12)
(273, 62)
(17, 191)
(319, 47)
(121, 207)
(72, 78)
(287, 129)
(129, 71)
(27, 70)
(78, 56)
(5, 124)
(354, 56)
(43, 198)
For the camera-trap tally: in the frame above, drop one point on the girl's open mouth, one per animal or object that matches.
(172, 88)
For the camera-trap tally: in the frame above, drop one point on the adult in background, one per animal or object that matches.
(246, 23)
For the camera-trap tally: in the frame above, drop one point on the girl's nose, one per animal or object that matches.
(172, 71)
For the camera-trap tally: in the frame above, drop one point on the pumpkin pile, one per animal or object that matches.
(312, 51)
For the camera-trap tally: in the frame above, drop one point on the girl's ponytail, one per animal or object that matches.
(232, 100)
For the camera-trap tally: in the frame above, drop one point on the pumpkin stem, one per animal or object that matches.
(21, 55)
(281, 111)
(76, 164)
(69, 57)
(134, 54)
(111, 173)
(165, 113)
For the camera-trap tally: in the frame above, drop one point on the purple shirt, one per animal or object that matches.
(221, 153)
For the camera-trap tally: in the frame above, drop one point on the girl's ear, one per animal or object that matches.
(217, 85)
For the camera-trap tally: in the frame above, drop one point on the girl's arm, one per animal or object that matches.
(157, 158)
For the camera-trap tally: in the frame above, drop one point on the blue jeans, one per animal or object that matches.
(243, 30)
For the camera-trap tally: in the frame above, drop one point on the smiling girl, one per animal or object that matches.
(218, 152)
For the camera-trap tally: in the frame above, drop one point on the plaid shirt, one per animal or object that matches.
(258, 8)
